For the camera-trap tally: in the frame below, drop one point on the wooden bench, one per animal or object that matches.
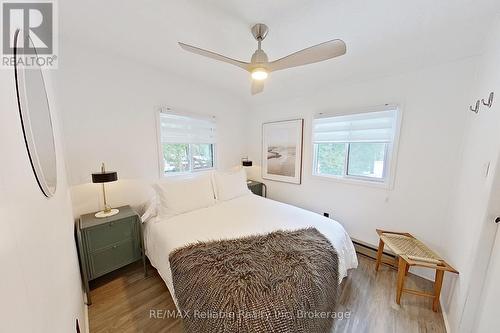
(412, 252)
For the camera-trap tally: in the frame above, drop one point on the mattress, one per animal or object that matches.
(243, 216)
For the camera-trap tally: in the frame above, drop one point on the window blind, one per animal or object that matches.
(187, 129)
(365, 127)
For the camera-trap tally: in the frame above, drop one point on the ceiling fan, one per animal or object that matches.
(260, 66)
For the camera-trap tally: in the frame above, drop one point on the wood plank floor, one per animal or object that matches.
(122, 302)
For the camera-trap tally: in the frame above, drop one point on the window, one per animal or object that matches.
(187, 143)
(357, 146)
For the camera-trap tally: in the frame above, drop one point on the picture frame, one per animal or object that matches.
(282, 143)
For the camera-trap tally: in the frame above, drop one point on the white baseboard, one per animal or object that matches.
(87, 321)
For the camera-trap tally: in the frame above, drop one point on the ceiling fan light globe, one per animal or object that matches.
(259, 74)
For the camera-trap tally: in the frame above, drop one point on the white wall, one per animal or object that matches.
(109, 116)
(469, 233)
(434, 106)
(40, 285)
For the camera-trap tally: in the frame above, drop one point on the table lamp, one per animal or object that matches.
(101, 178)
(246, 162)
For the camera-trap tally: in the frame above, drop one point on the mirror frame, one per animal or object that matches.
(26, 123)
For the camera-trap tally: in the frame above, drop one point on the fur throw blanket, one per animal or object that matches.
(285, 281)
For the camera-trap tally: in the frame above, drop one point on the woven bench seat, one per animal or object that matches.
(412, 252)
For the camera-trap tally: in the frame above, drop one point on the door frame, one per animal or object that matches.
(483, 252)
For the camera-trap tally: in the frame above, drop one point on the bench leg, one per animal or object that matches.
(438, 283)
(401, 279)
(379, 254)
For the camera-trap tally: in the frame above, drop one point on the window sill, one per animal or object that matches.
(186, 173)
(354, 181)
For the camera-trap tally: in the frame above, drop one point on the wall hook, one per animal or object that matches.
(489, 103)
(476, 109)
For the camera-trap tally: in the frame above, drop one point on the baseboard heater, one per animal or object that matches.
(370, 251)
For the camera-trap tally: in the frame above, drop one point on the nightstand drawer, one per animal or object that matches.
(106, 234)
(106, 244)
(115, 256)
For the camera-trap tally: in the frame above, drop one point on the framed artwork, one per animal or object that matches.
(282, 150)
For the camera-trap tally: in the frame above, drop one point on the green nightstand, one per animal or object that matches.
(257, 187)
(107, 244)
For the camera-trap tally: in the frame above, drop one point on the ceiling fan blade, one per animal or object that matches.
(214, 55)
(257, 86)
(320, 52)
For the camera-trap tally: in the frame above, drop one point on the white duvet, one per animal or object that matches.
(239, 217)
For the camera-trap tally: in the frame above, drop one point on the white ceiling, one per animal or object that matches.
(383, 37)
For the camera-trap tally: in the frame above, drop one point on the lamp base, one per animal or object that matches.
(102, 214)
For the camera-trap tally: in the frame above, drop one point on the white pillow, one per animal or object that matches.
(151, 209)
(230, 185)
(177, 196)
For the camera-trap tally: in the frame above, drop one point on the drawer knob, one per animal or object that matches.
(115, 246)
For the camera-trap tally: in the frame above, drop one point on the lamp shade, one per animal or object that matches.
(104, 177)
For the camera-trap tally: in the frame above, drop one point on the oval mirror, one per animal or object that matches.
(35, 116)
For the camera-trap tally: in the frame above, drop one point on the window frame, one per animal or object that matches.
(366, 178)
(315, 148)
(390, 156)
(191, 162)
(161, 160)
(190, 159)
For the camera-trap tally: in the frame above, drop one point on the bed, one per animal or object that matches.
(242, 216)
